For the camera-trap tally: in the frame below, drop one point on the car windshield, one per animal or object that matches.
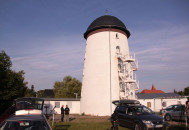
(25, 125)
(141, 110)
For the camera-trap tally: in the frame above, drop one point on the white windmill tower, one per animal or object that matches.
(108, 66)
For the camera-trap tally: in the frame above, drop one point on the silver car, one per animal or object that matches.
(176, 114)
(169, 108)
(26, 122)
(28, 116)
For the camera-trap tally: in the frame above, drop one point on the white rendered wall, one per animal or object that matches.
(156, 104)
(100, 84)
(73, 105)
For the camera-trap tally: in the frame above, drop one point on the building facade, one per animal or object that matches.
(157, 101)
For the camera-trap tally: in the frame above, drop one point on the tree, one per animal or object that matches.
(30, 92)
(40, 94)
(180, 93)
(184, 93)
(67, 88)
(12, 84)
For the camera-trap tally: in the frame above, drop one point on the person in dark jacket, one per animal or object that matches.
(62, 113)
(67, 111)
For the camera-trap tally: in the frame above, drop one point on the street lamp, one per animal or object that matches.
(76, 95)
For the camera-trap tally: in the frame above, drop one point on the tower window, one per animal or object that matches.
(117, 36)
(117, 49)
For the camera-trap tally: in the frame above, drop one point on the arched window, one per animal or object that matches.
(121, 87)
(117, 49)
(119, 67)
(131, 93)
(117, 37)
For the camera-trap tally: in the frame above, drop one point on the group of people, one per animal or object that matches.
(65, 111)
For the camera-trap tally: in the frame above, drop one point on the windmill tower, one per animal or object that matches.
(108, 73)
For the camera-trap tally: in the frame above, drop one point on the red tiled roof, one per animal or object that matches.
(153, 90)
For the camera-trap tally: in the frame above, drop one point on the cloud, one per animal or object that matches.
(43, 66)
(163, 56)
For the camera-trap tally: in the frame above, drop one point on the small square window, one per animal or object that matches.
(117, 36)
(57, 104)
(149, 104)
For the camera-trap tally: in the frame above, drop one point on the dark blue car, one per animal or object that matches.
(131, 114)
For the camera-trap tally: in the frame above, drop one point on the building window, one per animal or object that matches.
(117, 49)
(117, 37)
(119, 68)
(121, 87)
(149, 104)
(57, 104)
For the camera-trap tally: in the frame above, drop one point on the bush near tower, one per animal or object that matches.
(67, 88)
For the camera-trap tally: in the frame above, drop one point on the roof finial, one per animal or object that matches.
(106, 12)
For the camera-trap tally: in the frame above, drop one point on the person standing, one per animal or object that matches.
(67, 111)
(62, 113)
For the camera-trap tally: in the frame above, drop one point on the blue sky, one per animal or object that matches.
(45, 38)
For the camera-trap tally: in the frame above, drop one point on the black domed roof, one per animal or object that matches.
(106, 21)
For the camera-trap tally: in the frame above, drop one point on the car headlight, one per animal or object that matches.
(147, 122)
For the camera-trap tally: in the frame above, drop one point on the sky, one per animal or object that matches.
(45, 38)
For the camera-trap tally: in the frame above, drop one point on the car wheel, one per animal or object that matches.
(167, 117)
(137, 126)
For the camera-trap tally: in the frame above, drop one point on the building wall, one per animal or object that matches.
(156, 104)
(73, 105)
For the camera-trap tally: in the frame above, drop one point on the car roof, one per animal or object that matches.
(125, 102)
(28, 98)
(26, 117)
(176, 105)
(181, 105)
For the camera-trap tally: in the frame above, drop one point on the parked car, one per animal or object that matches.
(131, 114)
(28, 116)
(169, 108)
(176, 114)
(26, 122)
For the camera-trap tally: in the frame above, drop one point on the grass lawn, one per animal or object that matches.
(99, 126)
(78, 122)
(84, 126)
(83, 123)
